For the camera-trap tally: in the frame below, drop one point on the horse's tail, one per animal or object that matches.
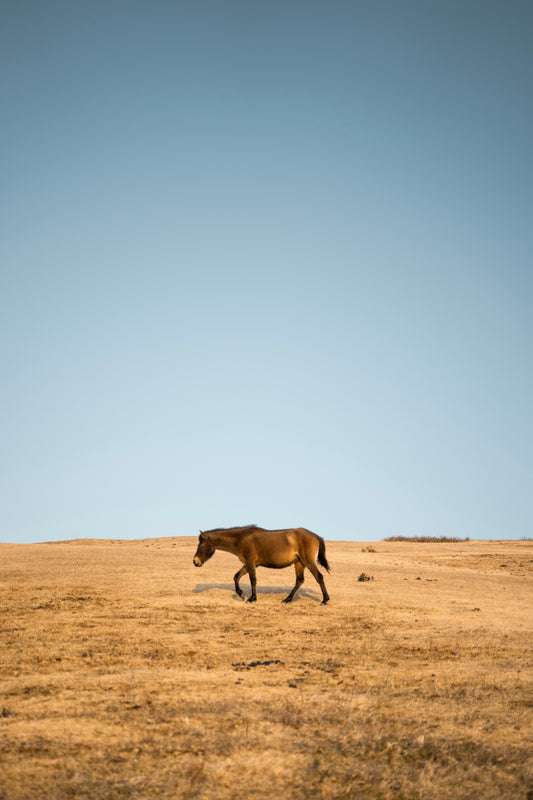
(322, 554)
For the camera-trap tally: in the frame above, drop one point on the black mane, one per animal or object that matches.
(237, 529)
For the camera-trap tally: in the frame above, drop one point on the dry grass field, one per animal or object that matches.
(128, 673)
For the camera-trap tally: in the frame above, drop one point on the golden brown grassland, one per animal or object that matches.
(128, 673)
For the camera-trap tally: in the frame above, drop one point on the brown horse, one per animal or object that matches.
(257, 547)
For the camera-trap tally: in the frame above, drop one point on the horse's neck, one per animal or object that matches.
(224, 541)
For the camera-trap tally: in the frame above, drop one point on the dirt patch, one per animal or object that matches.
(488, 562)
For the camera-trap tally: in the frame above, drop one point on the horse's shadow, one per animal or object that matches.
(285, 590)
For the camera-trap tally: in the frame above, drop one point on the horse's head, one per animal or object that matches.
(205, 550)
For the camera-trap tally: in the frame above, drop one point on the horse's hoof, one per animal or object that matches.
(252, 600)
(287, 600)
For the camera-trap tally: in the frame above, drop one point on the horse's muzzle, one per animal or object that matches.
(196, 561)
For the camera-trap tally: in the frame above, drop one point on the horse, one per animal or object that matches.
(257, 547)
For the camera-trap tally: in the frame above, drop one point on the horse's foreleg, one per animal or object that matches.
(238, 575)
(253, 582)
(299, 567)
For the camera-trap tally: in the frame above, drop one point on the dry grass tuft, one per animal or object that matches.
(425, 539)
(127, 673)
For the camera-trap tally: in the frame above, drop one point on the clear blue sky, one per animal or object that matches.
(266, 262)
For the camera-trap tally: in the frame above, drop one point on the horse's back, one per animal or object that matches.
(279, 547)
(271, 545)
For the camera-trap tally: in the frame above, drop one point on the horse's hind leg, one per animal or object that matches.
(299, 567)
(317, 575)
(238, 575)
(253, 582)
